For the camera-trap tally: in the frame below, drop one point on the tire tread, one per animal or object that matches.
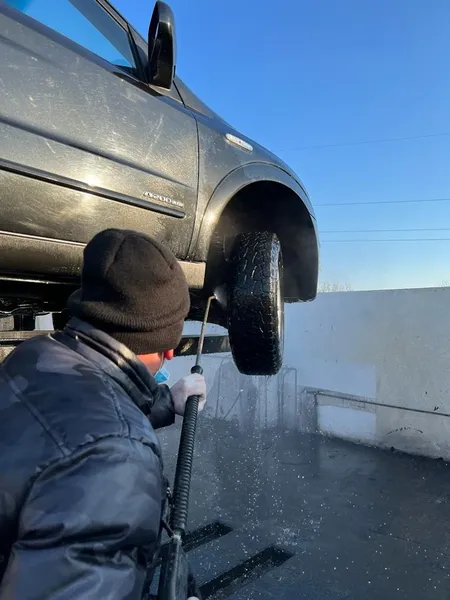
(256, 265)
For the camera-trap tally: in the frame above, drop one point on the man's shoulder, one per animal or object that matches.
(74, 400)
(43, 357)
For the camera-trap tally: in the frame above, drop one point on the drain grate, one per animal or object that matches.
(203, 535)
(251, 569)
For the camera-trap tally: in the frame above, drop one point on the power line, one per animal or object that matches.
(365, 142)
(383, 230)
(385, 240)
(423, 200)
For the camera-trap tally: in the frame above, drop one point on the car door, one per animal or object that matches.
(85, 142)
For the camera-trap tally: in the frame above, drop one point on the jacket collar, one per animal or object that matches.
(115, 359)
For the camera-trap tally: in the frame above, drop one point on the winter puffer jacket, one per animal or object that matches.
(81, 483)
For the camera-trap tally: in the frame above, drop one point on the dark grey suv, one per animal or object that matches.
(96, 131)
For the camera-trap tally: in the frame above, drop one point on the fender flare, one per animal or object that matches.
(230, 185)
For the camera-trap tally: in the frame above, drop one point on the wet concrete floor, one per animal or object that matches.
(281, 515)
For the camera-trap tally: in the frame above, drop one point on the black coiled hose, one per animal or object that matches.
(182, 483)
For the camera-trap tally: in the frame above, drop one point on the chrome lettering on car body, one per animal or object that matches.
(164, 199)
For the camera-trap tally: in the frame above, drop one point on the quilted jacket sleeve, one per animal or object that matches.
(89, 526)
(162, 413)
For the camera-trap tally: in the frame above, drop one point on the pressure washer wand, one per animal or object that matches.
(182, 482)
(176, 581)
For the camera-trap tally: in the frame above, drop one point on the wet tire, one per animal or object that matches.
(255, 303)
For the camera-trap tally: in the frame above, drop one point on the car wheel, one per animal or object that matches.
(256, 303)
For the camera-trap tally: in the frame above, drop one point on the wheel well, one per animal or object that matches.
(269, 206)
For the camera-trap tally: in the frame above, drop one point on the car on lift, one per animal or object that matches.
(97, 131)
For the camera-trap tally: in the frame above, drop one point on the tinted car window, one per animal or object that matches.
(84, 22)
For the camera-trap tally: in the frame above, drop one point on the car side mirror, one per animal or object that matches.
(162, 46)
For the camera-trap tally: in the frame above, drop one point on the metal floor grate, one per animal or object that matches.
(246, 572)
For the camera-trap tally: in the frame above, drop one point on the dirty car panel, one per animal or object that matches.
(98, 142)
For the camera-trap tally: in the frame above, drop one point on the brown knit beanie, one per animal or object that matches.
(133, 288)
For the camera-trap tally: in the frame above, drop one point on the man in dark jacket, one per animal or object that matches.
(82, 489)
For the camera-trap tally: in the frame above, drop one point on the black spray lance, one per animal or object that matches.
(175, 579)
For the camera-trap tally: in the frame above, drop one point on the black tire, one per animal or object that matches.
(255, 303)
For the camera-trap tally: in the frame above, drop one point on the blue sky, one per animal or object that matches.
(304, 73)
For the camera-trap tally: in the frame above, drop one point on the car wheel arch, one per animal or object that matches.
(262, 197)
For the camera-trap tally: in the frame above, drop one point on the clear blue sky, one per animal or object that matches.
(303, 73)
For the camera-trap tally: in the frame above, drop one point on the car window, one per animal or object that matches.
(86, 23)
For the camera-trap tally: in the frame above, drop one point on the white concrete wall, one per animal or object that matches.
(390, 347)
